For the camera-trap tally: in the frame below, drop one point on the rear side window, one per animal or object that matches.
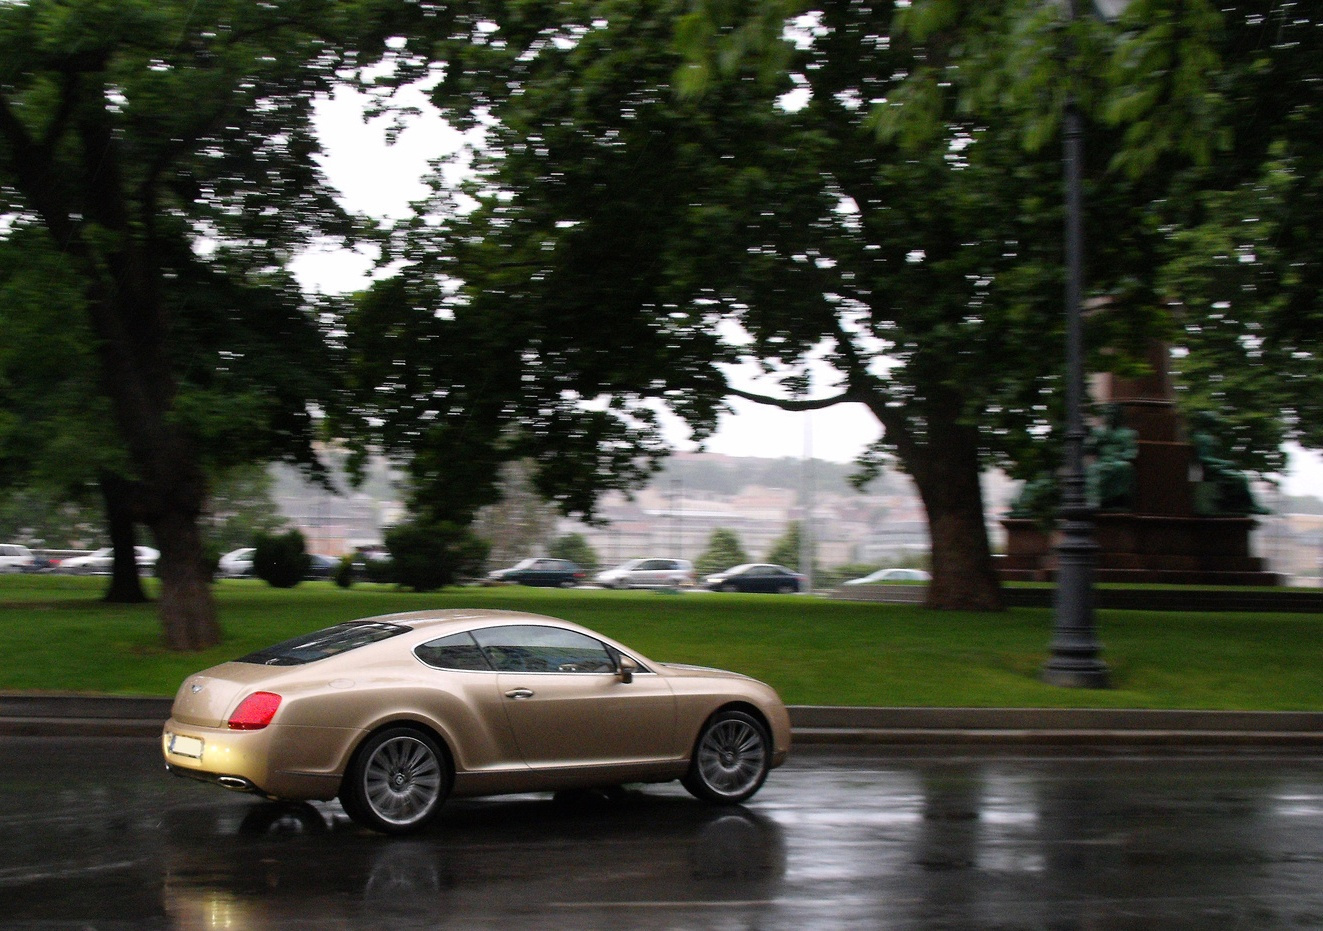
(331, 641)
(458, 651)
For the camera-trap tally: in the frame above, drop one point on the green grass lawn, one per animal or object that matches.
(56, 635)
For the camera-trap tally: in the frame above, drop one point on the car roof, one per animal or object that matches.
(464, 618)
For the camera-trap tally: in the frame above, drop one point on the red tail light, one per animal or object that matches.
(254, 712)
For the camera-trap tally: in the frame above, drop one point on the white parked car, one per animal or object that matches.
(100, 561)
(237, 564)
(649, 573)
(15, 557)
(883, 576)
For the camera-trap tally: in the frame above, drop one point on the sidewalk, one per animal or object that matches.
(24, 714)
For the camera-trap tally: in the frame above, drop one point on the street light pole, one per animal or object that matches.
(1074, 661)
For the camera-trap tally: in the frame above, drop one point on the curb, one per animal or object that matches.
(1055, 726)
(62, 715)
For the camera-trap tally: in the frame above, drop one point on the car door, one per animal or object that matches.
(650, 573)
(568, 707)
(759, 579)
(545, 572)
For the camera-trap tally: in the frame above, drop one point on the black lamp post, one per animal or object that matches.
(1074, 662)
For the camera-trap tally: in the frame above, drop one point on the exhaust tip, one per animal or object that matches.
(234, 782)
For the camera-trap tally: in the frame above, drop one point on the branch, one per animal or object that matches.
(31, 168)
(790, 404)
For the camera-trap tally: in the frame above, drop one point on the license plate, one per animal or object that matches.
(181, 745)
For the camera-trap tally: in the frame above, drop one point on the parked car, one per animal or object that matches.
(394, 714)
(540, 570)
(15, 557)
(237, 564)
(99, 562)
(756, 577)
(648, 573)
(321, 566)
(892, 575)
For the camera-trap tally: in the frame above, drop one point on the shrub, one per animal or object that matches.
(427, 555)
(344, 573)
(281, 561)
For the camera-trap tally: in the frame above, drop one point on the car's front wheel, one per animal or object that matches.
(731, 758)
(397, 781)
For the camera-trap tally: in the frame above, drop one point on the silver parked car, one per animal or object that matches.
(15, 557)
(884, 576)
(649, 573)
(100, 561)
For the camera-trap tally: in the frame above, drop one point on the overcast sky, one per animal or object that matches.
(382, 180)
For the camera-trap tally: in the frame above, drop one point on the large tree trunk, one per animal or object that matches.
(945, 467)
(188, 613)
(125, 586)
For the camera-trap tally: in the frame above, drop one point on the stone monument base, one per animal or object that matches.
(1144, 548)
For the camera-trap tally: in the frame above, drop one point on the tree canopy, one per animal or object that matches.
(678, 186)
(161, 154)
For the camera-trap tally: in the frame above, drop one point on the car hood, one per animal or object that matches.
(686, 670)
(207, 698)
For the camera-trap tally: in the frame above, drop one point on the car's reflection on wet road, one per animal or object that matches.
(94, 835)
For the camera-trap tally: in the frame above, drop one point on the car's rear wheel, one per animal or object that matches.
(397, 781)
(731, 758)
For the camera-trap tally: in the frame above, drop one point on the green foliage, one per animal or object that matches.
(723, 551)
(788, 549)
(576, 548)
(281, 560)
(35, 518)
(345, 572)
(161, 154)
(427, 555)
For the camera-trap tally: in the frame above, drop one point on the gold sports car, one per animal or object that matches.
(393, 714)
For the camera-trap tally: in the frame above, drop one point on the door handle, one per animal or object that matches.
(519, 693)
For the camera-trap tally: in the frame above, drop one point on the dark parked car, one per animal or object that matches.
(540, 570)
(756, 577)
(321, 566)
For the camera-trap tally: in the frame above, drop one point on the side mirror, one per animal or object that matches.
(625, 668)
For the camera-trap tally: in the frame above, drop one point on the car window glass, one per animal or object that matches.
(458, 651)
(543, 649)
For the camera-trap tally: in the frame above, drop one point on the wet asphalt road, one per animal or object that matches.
(93, 834)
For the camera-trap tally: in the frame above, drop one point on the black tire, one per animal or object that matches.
(397, 781)
(731, 758)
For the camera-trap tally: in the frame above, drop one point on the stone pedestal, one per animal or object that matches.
(1160, 539)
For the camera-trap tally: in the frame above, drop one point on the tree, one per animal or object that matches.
(788, 550)
(575, 548)
(618, 221)
(164, 152)
(879, 183)
(722, 552)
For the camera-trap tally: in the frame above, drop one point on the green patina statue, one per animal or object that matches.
(1110, 478)
(1222, 489)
